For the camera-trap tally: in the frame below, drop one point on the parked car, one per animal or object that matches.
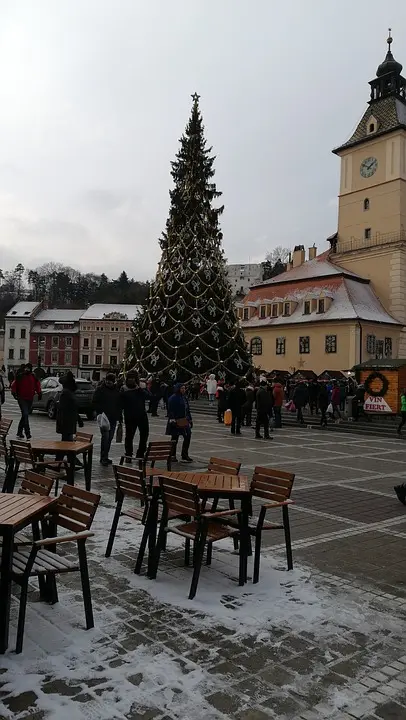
(51, 389)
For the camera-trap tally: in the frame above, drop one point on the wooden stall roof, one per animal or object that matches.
(383, 364)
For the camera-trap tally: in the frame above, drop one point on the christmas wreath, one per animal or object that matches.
(370, 379)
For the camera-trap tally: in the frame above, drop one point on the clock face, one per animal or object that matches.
(368, 167)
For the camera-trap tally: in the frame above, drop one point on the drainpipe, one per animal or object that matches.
(360, 342)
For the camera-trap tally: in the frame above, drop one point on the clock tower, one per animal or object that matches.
(371, 237)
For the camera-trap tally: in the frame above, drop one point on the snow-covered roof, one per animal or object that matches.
(321, 266)
(59, 316)
(350, 300)
(22, 309)
(100, 310)
(54, 329)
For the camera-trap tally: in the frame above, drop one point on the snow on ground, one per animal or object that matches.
(118, 667)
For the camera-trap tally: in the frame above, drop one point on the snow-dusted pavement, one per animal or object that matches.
(326, 640)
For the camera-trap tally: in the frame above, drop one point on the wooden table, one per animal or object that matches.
(236, 487)
(71, 450)
(16, 512)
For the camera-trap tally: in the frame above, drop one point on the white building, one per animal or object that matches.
(241, 277)
(17, 325)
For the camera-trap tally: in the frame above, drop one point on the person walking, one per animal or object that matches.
(2, 390)
(343, 395)
(402, 411)
(211, 387)
(335, 401)
(221, 396)
(300, 399)
(67, 414)
(314, 390)
(263, 403)
(155, 390)
(323, 404)
(179, 422)
(107, 400)
(278, 396)
(236, 400)
(24, 388)
(132, 403)
(248, 405)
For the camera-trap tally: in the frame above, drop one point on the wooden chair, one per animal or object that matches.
(157, 451)
(206, 528)
(5, 426)
(21, 453)
(35, 483)
(130, 483)
(74, 511)
(4, 451)
(221, 466)
(275, 487)
(82, 437)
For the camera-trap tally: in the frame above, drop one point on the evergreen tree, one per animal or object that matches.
(189, 325)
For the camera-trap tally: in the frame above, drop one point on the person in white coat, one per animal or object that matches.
(211, 387)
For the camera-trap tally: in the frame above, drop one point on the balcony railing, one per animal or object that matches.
(374, 241)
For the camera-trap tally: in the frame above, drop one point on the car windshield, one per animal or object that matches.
(83, 385)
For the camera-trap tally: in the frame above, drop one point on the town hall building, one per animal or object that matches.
(348, 305)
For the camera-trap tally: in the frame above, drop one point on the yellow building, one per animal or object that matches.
(349, 304)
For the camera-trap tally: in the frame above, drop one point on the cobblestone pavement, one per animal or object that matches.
(324, 641)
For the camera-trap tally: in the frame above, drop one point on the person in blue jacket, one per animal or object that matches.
(179, 422)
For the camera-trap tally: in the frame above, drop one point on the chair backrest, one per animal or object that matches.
(3, 447)
(223, 467)
(180, 497)
(159, 451)
(84, 437)
(21, 451)
(130, 482)
(271, 485)
(35, 483)
(75, 508)
(5, 426)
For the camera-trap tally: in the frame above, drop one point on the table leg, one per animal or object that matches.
(88, 468)
(5, 587)
(245, 536)
(8, 480)
(71, 457)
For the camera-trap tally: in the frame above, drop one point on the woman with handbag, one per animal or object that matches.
(179, 422)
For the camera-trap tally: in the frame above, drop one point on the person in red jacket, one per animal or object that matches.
(278, 397)
(23, 388)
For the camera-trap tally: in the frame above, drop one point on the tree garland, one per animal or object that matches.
(370, 379)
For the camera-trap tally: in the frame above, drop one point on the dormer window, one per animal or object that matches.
(372, 127)
(274, 310)
(286, 308)
(366, 204)
(307, 308)
(246, 314)
(321, 306)
(262, 312)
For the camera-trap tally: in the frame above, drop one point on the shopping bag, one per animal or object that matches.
(228, 417)
(119, 434)
(330, 409)
(103, 422)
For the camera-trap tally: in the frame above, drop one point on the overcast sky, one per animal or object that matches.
(94, 95)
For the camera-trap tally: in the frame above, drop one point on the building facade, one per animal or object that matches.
(105, 333)
(349, 304)
(54, 340)
(241, 277)
(17, 327)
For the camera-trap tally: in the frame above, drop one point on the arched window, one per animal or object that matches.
(256, 346)
(366, 204)
(372, 128)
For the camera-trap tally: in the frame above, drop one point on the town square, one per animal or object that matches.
(202, 360)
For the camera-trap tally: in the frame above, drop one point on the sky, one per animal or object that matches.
(94, 95)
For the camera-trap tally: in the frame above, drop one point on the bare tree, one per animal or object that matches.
(278, 253)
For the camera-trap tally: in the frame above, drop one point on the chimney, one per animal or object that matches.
(299, 256)
(312, 252)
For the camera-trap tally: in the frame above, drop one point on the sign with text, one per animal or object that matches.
(377, 405)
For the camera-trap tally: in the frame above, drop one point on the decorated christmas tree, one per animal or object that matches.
(189, 326)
